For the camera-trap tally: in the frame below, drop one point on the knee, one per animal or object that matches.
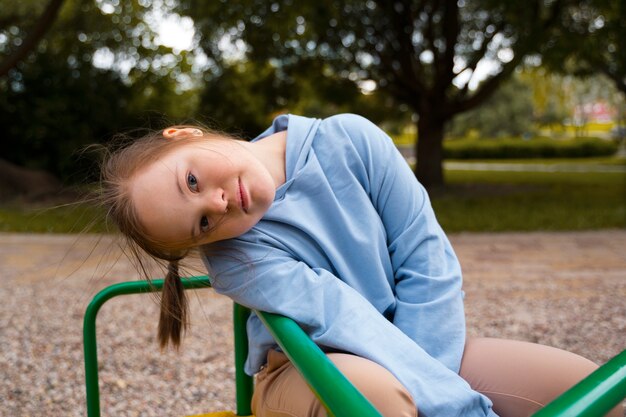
(377, 384)
(390, 398)
(521, 377)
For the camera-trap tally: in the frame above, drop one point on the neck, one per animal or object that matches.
(271, 152)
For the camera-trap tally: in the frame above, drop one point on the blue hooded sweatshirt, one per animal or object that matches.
(351, 250)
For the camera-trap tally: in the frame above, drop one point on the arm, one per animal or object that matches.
(429, 307)
(338, 317)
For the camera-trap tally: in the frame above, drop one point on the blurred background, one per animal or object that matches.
(511, 113)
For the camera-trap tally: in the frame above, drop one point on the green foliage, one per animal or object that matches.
(245, 96)
(552, 95)
(56, 101)
(266, 58)
(591, 39)
(422, 55)
(509, 112)
(49, 112)
(531, 148)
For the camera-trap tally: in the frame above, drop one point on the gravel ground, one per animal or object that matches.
(562, 289)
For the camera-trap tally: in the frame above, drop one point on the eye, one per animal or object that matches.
(192, 182)
(204, 224)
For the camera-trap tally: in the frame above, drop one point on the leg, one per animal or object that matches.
(521, 377)
(281, 392)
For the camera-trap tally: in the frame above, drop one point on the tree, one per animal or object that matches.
(49, 112)
(29, 42)
(591, 39)
(508, 112)
(551, 95)
(245, 95)
(425, 54)
(61, 95)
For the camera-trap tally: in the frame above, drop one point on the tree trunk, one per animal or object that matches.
(34, 36)
(429, 147)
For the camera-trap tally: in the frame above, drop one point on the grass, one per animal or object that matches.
(502, 201)
(73, 218)
(600, 160)
(472, 201)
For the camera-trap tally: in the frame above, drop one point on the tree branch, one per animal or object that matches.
(537, 31)
(407, 54)
(479, 54)
(429, 36)
(416, 50)
(487, 88)
(409, 76)
(41, 27)
(445, 68)
(410, 85)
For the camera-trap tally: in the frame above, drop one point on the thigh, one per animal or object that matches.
(281, 391)
(521, 377)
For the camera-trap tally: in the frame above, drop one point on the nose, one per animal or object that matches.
(217, 201)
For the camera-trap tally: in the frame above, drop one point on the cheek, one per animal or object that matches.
(243, 225)
(266, 192)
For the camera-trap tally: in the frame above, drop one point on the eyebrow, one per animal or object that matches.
(182, 193)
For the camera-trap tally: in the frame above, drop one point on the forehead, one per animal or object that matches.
(154, 193)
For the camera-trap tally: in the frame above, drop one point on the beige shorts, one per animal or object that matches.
(519, 378)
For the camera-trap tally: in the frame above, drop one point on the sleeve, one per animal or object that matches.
(333, 314)
(429, 299)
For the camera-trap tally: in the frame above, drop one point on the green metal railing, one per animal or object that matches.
(243, 382)
(89, 329)
(341, 400)
(593, 396)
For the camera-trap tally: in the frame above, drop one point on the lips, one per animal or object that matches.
(243, 197)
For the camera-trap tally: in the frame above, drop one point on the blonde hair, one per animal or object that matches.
(121, 162)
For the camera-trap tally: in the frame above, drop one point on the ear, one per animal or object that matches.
(178, 133)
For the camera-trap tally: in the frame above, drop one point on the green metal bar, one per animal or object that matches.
(316, 368)
(245, 385)
(595, 395)
(89, 328)
(340, 397)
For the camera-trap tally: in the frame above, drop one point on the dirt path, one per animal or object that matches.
(563, 289)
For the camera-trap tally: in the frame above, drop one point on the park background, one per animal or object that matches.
(512, 114)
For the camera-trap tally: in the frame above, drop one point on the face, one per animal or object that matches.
(202, 192)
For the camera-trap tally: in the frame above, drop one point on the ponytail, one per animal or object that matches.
(174, 308)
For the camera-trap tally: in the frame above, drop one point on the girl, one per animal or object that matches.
(323, 221)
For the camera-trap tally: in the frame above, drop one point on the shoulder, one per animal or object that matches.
(350, 124)
(358, 133)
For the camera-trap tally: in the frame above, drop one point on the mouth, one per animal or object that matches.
(243, 197)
